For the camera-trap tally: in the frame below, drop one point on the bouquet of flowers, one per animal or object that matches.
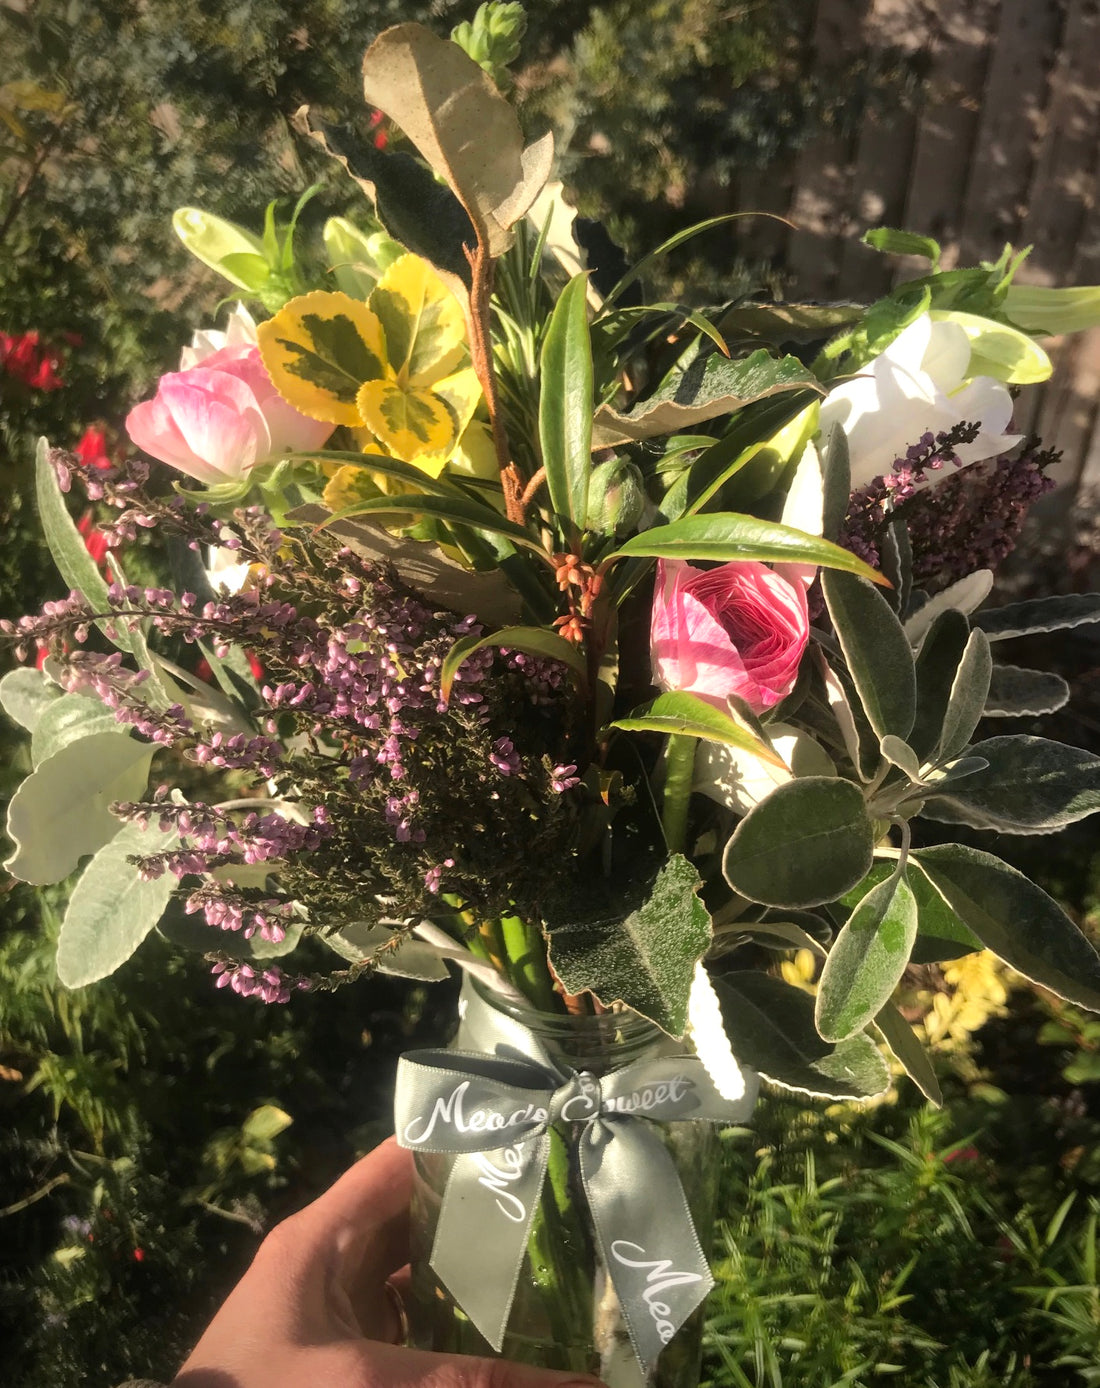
(602, 651)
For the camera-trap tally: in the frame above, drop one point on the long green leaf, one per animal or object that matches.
(531, 640)
(450, 510)
(726, 535)
(74, 563)
(388, 467)
(682, 714)
(565, 404)
(898, 1035)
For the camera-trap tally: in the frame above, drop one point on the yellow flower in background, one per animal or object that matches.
(396, 365)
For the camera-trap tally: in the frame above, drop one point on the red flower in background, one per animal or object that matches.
(95, 542)
(25, 358)
(92, 448)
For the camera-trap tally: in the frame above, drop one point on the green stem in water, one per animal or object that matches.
(679, 769)
(525, 951)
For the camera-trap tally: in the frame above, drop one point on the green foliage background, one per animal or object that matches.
(140, 1115)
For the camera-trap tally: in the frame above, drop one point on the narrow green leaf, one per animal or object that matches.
(681, 713)
(867, 960)
(836, 480)
(808, 842)
(1040, 614)
(1015, 919)
(724, 536)
(111, 909)
(450, 510)
(770, 1026)
(644, 957)
(876, 650)
(389, 467)
(1031, 786)
(531, 640)
(75, 565)
(968, 694)
(661, 313)
(893, 242)
(25, 694)
(1016, 693)
(565, 403)
(898, 1035)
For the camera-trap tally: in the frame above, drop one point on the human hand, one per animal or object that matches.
(313, 1310)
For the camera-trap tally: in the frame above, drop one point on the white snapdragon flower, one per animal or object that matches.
(916, 386)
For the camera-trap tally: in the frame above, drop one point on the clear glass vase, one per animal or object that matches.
(565, 1314)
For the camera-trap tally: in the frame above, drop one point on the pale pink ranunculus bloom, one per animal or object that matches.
(217, 420)
(740, 628)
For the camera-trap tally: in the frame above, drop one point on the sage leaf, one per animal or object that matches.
(867, 960)
(1031, 786)
(111, 909)
(1017, 693)
(877, 652)
(68, 719)
(807, 843)
(771, 1028)
(962, 596)
(645, 958)
(898, 1035)
(940, 933)
(968, 694)
(1057, 613)
(1016, 920)
(937, 665)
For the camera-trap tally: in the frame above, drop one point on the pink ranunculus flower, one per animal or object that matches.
(217, 420)
(740, 628)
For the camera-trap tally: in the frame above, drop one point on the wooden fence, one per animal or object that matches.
(1002, 145)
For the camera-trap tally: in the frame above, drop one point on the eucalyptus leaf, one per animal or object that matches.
(1016, 920)
(25, 694)
(966, 701)
(644, 958)
(60, 812)
(1015, 692)
(1031, 786)
(420, 213)
(876, 651)
(565, 404)
(771, 1028)
(867, 959)
(711, 386)
(807, 843)
(468, 133)
(75, 565)
(898, 1035)
(1057, 613)
(111, 909)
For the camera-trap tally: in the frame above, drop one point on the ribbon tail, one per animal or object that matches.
(483, 1229)
(644, 1232)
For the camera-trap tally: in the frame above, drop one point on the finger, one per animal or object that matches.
(389, 1366)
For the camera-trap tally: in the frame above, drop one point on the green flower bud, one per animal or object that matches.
(616, 497)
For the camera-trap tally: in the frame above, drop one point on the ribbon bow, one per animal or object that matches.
(494, 1113)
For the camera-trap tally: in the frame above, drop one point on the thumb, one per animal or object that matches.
(414, 1368)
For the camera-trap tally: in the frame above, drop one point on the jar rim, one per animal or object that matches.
(627, 1025)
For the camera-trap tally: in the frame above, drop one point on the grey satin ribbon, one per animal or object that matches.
(494, 1113)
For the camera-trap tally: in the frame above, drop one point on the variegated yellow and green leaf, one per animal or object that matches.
(347, 485)
(319, 349)
(422, 320)
(408, 422)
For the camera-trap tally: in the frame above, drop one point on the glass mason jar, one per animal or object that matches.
(565, 1314)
